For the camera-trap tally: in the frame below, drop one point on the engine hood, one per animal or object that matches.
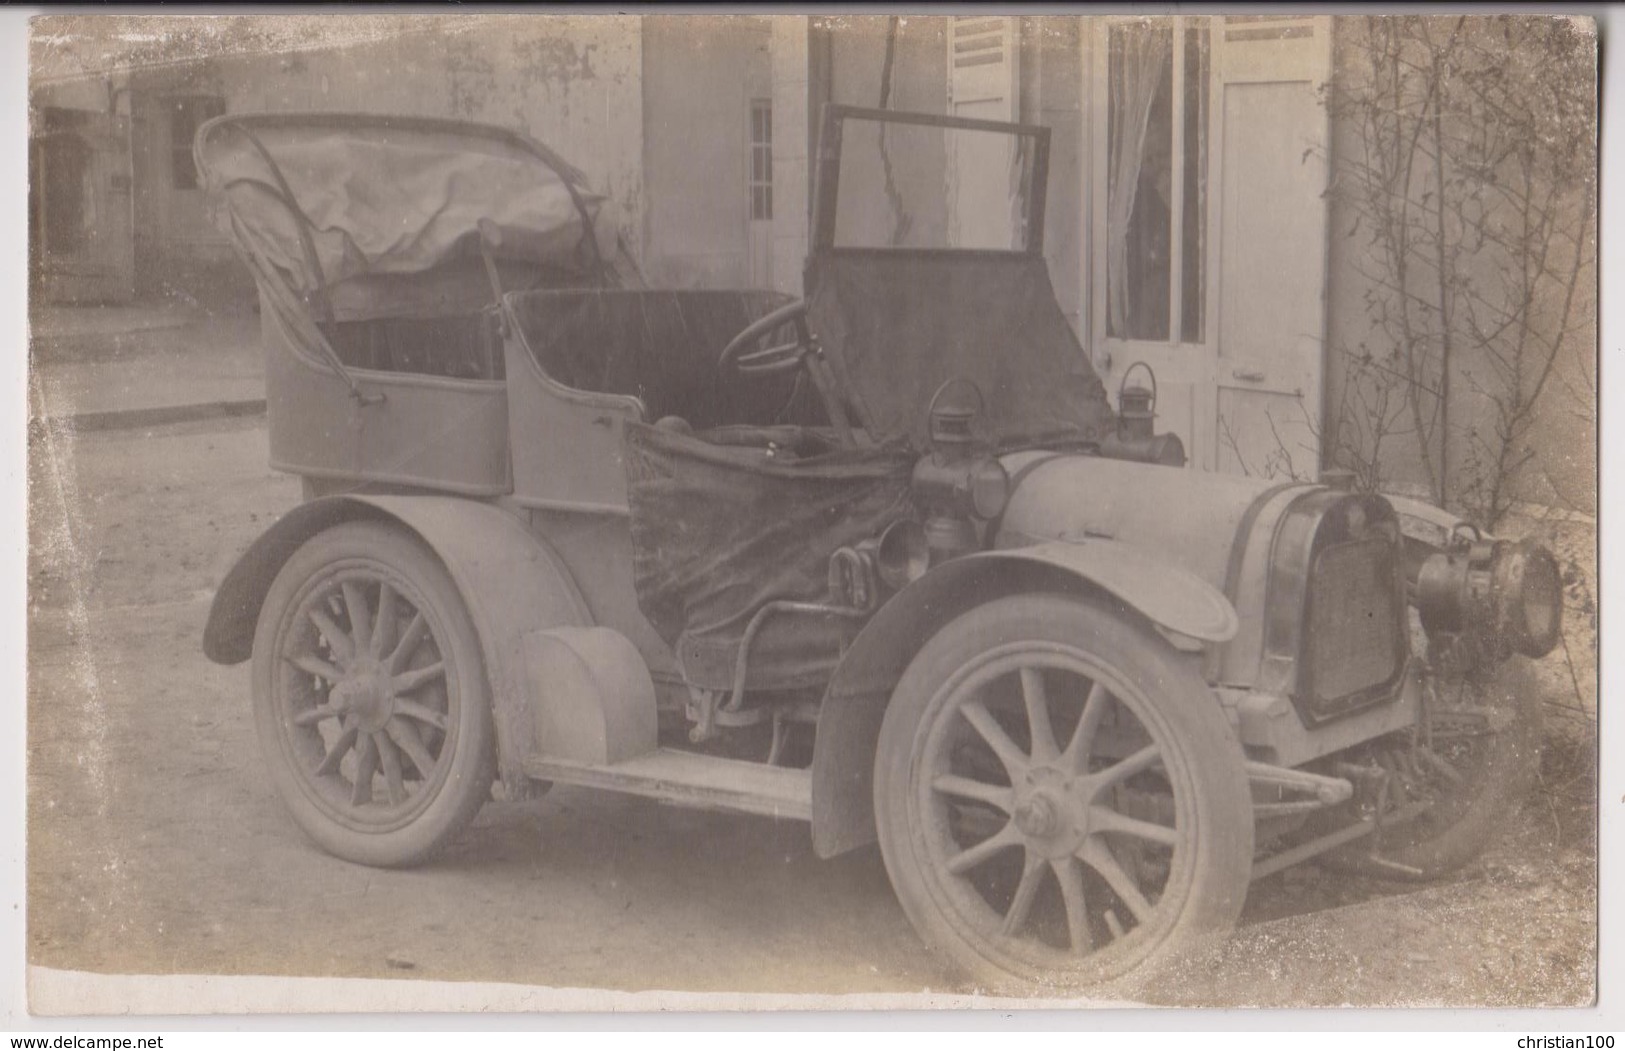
(1191, 518)
(324, 198)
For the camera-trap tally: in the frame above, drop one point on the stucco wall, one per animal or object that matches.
(699, 77)
(1560, 444)
(91, 94)
(919, 84)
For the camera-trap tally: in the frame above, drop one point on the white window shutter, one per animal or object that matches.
(982, 84)
(982, 67)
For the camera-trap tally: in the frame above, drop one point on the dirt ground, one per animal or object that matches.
(156, 844)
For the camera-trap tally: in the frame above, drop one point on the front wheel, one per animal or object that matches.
(370, 696)
(1059, 798)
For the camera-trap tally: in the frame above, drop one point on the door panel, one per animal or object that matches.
(1272, 259)
(1177, 405)
(1247, 383)
(1264, 434)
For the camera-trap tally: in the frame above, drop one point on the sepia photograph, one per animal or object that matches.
(626, 511)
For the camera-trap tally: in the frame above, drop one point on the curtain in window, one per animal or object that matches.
(1142, 52)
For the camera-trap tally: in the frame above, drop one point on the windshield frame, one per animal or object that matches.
(827, 174)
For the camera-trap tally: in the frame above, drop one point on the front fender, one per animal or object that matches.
(1162, 592)
(855, 702)
(511, 582)
(1425, 522)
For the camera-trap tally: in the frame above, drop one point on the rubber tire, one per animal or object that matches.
(1192, 722)
(467, 784)
(1459, 833)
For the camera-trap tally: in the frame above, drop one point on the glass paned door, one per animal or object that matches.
(1208, 223)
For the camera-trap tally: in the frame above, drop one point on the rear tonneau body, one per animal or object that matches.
(380, 246)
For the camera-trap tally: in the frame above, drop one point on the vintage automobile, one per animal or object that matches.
(884, 559)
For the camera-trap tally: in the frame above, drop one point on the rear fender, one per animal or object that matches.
(1147, 588)
(511, 582)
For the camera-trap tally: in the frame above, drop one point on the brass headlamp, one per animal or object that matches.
(1502, 596)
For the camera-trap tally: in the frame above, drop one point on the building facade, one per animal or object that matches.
(1189, 221)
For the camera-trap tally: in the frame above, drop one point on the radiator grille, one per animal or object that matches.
(1355, 621)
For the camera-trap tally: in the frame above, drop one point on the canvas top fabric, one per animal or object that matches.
(329, 200)
(897, 324)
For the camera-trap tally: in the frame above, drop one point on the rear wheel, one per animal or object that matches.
(1059, 798)
(370, 696)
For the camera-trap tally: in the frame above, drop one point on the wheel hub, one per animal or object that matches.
(366, 696)
(1049, 813)
(1036, 817)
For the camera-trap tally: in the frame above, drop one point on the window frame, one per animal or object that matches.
(827, 176)
(759, 147)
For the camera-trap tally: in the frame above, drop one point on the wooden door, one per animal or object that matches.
(1212, 270)
(1272, 136)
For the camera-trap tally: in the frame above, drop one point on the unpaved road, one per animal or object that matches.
(156, 845)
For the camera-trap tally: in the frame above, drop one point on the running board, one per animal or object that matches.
(690, 779)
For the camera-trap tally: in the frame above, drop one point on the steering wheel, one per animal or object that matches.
(781, 357)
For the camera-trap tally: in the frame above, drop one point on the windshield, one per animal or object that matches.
(928, 265)
(920, 181)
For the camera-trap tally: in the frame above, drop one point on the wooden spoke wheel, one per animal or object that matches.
(370, 696)
(1059, 797)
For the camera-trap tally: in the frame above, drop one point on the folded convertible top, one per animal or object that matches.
(327, 200)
